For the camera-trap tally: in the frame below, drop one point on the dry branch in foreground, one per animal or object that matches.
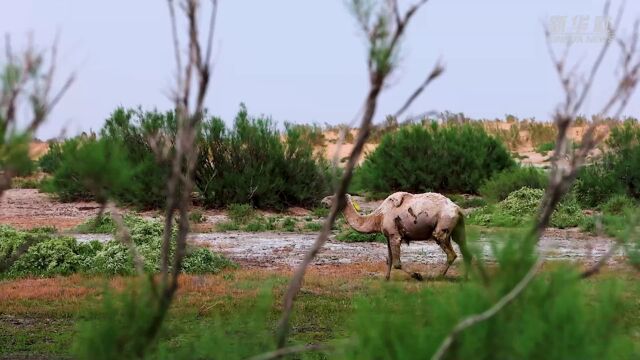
(383, 32)
(565, 164)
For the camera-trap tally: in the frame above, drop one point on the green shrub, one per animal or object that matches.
(313, 226)
(241, 213)
(467, 202)
(55, 256)
(320, 212)
(251, 163)
(522, 205)
(91, 169)
(504, 183)
(204, 261)
(224, 226)
(618, 205)
(453, 158)
(25, 183)
(40, 252)
(596, 184)
(197, 217)
(350, 235)
(544, 148)
(617, 173)
(289, 224)
(50, 161)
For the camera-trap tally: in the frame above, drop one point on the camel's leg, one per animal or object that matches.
(394, 243)
(445, 245)
(389, 257)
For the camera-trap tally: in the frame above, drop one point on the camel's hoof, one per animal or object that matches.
(417, 276)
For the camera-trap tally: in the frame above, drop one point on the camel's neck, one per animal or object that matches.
(364, 224)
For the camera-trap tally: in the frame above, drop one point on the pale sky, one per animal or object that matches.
(304, 61)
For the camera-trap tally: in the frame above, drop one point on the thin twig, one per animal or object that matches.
(377, 77)
(437, 70)
(489, 313)
(297, 349)
(124, 236)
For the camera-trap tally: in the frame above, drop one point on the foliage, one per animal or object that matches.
(54, 256)
(544, 148)
(453, 158)
(320, 211)
(617, 173)
(350, 235)
(43, 253)
(204, 261)
(551, 320)
(197, 217)
(467, 202)
(313, 226)
(50, 161)
(241, 213)
(618, 205)
(26, 183)
(504, 183)
(252, 163)
(91, 169)
(522, 205)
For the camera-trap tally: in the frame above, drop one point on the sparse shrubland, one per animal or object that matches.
(41, 252)
(617, 172)
(453, 158)
(500, 185)
(521, 206)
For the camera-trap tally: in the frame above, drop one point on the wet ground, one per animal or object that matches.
(271, 249)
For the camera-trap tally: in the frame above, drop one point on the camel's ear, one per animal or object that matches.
(355, 205)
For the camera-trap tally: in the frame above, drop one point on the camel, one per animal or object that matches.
(404, 217)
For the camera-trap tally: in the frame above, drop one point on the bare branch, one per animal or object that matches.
(377, 76)
(437, 70)
(124, 236)
(601, 262)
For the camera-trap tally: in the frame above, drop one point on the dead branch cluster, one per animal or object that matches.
(28, 77)
(566, 163)
(383, 27)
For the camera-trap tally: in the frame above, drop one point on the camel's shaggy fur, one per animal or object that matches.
(404, 217)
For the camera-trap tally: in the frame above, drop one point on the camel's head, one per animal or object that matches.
(328, 201)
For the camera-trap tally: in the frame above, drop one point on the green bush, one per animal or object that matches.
(617, 172)
(350, 235)
(204, 261)
(618, 205)
(241, 213)
(544, 148)
(504, 183)
(55, 256)
(43, 253)
(91, 169)
(522, 205)
(50, 161)
(251, 163)
(453, 158)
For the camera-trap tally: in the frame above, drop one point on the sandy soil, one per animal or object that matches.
(28, 208)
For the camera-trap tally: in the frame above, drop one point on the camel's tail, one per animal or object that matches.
(459, 237)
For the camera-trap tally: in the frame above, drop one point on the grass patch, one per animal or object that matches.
(467, 202)
(350, 235)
